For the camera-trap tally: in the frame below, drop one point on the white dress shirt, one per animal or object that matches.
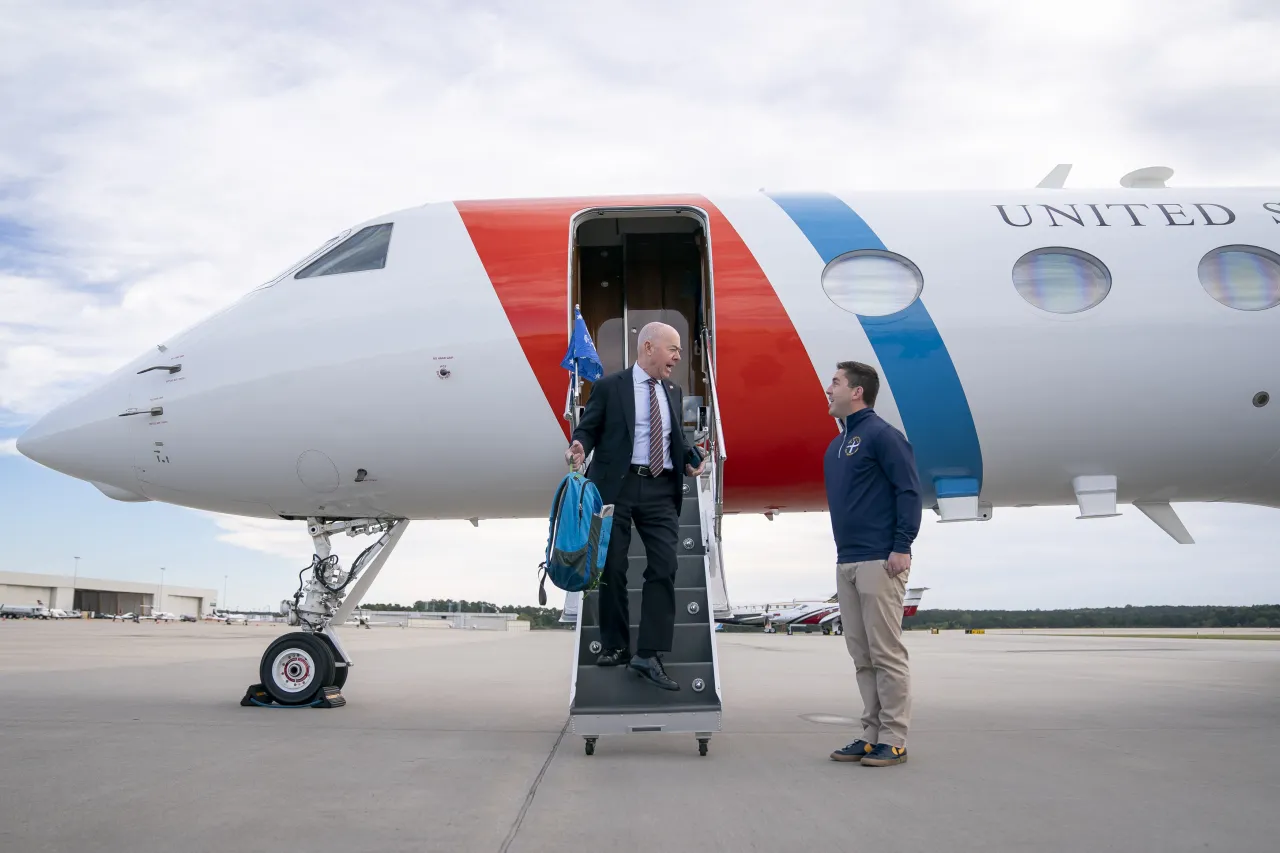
(640, 449)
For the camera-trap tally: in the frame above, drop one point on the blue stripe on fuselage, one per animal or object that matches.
(935, 412)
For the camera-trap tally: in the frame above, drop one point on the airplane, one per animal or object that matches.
(1038, 347)
(801, 617)
(823, 614)
(831, 623)
(227, 618)
(760, 614)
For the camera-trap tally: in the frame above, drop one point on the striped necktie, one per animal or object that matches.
(655, 430)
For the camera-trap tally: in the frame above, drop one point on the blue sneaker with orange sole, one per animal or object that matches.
(884, 755)
(853, 752)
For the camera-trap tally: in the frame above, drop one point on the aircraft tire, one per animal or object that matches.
(339, 672)
(296, 667)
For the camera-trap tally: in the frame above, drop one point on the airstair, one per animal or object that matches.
(614, 700)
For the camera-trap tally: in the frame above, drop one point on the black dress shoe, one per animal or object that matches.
(613, 657)
(651, 669)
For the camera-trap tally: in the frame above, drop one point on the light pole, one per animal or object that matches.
(75, 577)
(224, 594)
(160, 603)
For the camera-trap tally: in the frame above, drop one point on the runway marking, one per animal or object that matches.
(1086, 649)
(1265, 637)
(533, 790)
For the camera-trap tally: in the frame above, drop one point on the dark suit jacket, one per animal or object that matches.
(608, 427)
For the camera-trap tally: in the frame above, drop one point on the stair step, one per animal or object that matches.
(618, 690)
(689, 541)
(684, 597)
(689, 644)
(691, 572)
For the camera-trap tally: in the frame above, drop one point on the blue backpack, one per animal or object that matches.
(579, 537)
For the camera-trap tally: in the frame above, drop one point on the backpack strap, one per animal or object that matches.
(554, 520)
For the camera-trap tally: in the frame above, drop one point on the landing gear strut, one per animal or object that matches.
(298, 667)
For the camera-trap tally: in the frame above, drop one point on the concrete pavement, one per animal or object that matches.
(115, 736)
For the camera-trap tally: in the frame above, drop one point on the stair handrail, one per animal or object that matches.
(717, 437)
(715, 399)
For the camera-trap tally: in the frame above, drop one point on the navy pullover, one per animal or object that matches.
(873, 490)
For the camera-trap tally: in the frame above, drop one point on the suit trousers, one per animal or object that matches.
(871, 613)
(649, 503)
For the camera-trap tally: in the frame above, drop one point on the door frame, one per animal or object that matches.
(646, 211)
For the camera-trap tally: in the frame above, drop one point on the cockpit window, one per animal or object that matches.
(364, 250)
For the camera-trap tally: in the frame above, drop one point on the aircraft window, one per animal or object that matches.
(1061, 281)
(1242, 277)
(364, 250)
(872, 283)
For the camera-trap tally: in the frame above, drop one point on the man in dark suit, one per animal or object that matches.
(633, 422)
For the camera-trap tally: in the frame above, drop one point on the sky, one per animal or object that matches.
(157, 162)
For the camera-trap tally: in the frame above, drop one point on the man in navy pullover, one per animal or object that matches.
(873, 492)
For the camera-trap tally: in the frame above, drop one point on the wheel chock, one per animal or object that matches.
(330, 697)
(257, 696)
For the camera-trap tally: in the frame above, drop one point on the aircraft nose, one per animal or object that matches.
(27, 445)
(85, 438)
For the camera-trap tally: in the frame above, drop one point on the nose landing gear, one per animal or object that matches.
(309, 667)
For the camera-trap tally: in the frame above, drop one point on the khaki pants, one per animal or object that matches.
(871, 614)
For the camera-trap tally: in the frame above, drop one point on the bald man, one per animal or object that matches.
(633, 423)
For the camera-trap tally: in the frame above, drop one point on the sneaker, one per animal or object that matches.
(884, 755)
(853, 752)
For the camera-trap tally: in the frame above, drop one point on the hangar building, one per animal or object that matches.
(95, 595)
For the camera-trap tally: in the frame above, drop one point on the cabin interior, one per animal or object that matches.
(631, 268)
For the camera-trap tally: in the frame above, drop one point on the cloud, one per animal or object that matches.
(164, 165)
(153, 168)
(9, 447)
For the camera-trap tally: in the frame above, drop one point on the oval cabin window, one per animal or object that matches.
(872, 283)
(1243, 277)
(1061, 281)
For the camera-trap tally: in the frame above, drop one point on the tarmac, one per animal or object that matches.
(130, 737)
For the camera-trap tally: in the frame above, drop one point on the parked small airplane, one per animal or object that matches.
(823, 614)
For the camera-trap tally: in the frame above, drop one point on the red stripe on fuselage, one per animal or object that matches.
(816, 618)
(774, 412)
(774, 415)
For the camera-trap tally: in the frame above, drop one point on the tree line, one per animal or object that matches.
(1158, 616)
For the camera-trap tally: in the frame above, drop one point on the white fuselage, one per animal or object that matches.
(284, 398)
